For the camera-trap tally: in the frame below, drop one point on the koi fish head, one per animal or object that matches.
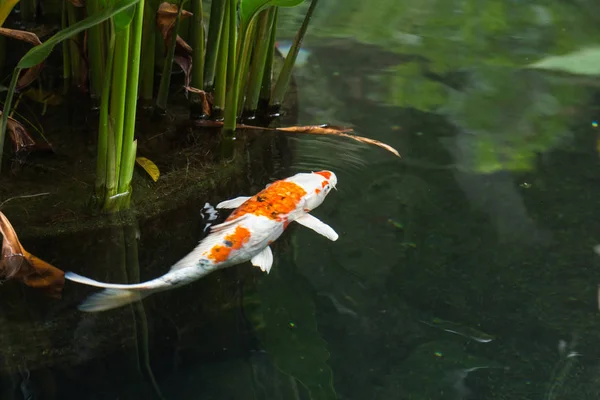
(317, 186)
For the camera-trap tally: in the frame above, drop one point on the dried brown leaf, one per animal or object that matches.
(166, 17)
(21, 139)
(25, 36)
(204, 98)
(18, 263)
(31, 74)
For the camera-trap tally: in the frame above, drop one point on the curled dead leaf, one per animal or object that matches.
(204, 98)
(22, 141)
(149, 167)
(332, 130)
(31, 74)
(166, 17)
(17, 263)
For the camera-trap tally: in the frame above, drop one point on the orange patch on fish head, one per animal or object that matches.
(323, 184)
(317, 191)
(325, 174)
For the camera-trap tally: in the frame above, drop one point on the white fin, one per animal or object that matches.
(90, 282)
(228, 224)
(318, 226)
(233, 203)
(109, 299)
(263, 260)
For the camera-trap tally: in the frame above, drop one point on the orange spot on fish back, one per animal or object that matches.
(279, 199)
(234, 241)
(326, 174)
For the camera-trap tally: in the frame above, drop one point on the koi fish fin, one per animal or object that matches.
(111, 298)
(233, 203)
(318, 226)
(263, 260)
(228, 224)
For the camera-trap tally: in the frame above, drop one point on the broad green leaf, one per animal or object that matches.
(584, 61)
(249, 8)
(149, 167)
(123, 19)
(39, 53)
(6, 7)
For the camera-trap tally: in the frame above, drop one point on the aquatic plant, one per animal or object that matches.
(228, 70)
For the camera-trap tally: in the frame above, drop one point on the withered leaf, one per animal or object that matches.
(204, 98)
(31, 74)
(17, 263)
(22, 141)
(166, 17)
(25, 36)
(332, 130)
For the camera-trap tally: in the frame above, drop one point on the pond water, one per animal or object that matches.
(465, 270)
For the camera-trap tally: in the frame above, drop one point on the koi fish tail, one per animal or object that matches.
(114, 295)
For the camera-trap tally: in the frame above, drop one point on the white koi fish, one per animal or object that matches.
(244, 236)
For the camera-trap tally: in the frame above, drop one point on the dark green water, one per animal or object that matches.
(465, 270)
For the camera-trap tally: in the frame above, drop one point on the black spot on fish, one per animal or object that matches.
(260, 199)
(228, 243)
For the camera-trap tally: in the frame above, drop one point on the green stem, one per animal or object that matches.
(198, 51)
(231, 102)
(118, 94)
(104, 127)
(65, 48)
(265, 91)
(222, 62)
(133, 76)
(6, 110)
(259, 58)
(95, 51)
(213, 42)
(165, 79)
(148, 53)
(286, 71)
(74, 49)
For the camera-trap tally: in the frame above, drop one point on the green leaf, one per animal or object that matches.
(123, 19)
(249, 8)
(39, 53)
(584, 61)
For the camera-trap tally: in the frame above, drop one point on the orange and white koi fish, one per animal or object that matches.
(245, 235)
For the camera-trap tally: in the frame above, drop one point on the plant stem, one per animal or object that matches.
(198, 51)
(165, 79)
(74, 49)
(265, 91)
(133, 76)
(148, 53)
(220, 82)
(259, 58)
(118, 95)
(95, 51)
(104, 127)
(213, 43)
(231, 102)
(286, 72)
(65, 48)
(6, 110)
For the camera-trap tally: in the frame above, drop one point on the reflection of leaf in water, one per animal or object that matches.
(290, 333)
(584, 61)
